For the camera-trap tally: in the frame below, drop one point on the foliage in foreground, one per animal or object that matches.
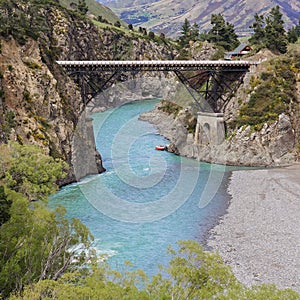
(192, 274)
(35, 243)
(44, 255)
(29, 171)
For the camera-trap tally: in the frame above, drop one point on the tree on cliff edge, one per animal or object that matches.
(222, 33)
(269, 32)
(276, 39)
(185, 33)
(82, 7)
(259, 31)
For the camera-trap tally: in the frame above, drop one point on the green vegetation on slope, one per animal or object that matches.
(22, 19)
(273, 92)
(23, 170)
(96, 9)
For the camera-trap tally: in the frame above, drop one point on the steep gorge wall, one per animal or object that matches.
(40, 104)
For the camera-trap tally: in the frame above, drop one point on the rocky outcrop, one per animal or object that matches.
(84, 160)
(272, 139)
(273, 145)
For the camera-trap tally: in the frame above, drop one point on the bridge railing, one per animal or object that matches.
(157, 64)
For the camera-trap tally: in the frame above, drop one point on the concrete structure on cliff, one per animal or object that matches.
(210, 129)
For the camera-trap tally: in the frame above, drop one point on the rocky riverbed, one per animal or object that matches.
(259, 237)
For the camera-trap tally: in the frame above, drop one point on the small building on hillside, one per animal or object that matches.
(239, 51)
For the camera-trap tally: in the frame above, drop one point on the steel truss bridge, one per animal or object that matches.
(212, 81)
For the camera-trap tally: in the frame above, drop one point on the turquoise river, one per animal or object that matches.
(147, 199)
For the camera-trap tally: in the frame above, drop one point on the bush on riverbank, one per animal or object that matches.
(192, 274)
(35, 243)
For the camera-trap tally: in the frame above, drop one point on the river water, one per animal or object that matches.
(147, 199)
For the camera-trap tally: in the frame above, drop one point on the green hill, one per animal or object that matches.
(97, 9)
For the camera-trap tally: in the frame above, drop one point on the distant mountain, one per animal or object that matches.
(168, 15)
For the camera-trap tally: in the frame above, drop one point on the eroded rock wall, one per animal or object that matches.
(40, 104)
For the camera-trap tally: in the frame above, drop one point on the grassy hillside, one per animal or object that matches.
(96, 9)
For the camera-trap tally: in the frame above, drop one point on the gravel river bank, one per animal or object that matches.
(259, 236)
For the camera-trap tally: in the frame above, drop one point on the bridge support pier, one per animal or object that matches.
(210, 129)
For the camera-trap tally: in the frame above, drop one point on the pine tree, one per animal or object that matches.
(231, 37)
(185, 33)
(275, 34)
(259, 31)
(82, 7)
(117, 24)
(218, 28)
(186, 28)
(195, 32)
(292, 35)
(298, 29)
(130, 27)
(222, 33)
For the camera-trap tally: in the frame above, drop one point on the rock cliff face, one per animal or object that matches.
(40, 104)
(43, 103)
(33, 108)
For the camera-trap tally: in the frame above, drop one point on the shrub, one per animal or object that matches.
(169, 107)
(33, 65)
(151, 35)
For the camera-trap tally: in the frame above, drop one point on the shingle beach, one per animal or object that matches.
(259, 236)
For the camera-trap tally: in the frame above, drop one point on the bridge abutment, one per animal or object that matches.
(210, 129)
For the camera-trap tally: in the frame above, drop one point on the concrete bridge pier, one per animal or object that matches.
(210, 129)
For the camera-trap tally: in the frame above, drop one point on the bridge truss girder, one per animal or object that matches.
(210, 87)
(214, 88)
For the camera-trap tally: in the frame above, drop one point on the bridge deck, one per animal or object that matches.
(160, 65)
